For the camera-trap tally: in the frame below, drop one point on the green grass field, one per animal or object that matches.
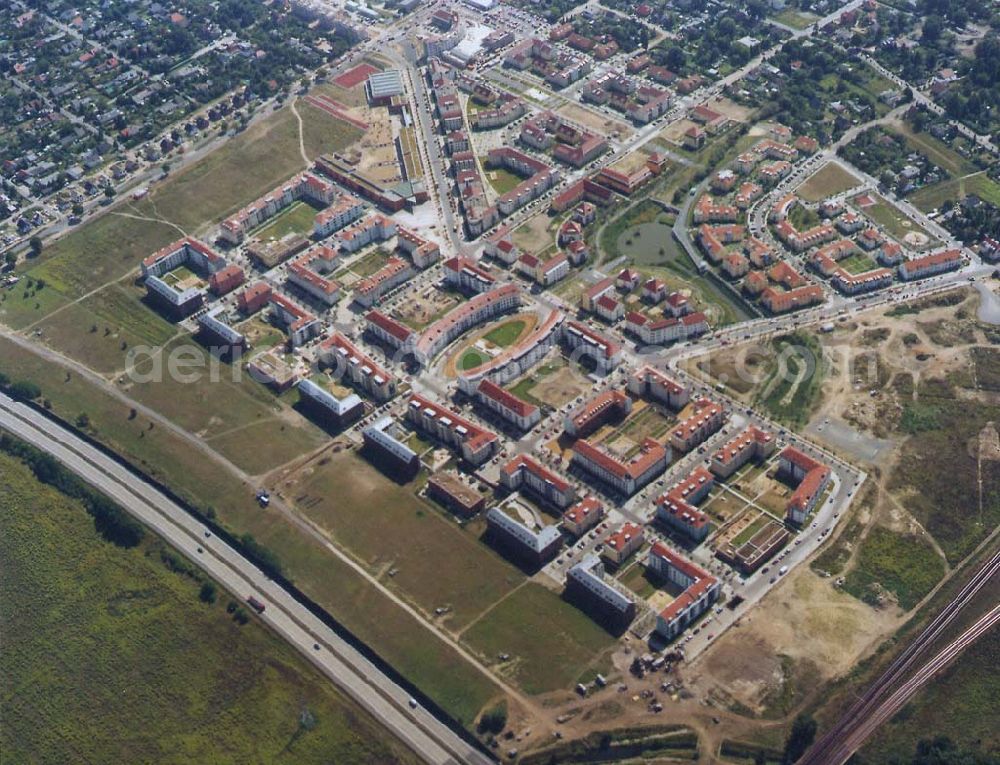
(902, 564)
(505, 334)
(471, 359)
(857, 264)
(936, 151)
(980, 184)
(112, 657)
(828, 180)
(795, 19)
(502, 180)
(387, 526)
(893, 221)
(802, 217)
(367, 264)
(939, 476)
(24, 303)
(399, 638)
(297, 218)
(102, 329)
(550, 641)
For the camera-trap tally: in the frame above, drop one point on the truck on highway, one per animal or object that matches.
(255, 604)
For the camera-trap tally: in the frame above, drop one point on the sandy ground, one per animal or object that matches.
(806, 619)
(534, 235)
(597, 122)
(565, 385)
(808, 631)
(674, 133)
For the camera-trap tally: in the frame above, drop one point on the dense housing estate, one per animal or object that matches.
(424, 324)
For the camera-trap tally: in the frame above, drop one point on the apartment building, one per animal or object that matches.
(583, 342)
(373, 228)
(534, 547)
(473, 443)
(422, 252)
(587, 585)
(625, 475)
(463, 317)
(176, 303)
(781, 301)
(609, 406)
(515, 360)
(254, 297)
(700, 590)
(514, 410)
(809, 477)
(305, 185)
(187, 251)
(383, 447)
(667, 330)
(752, 444)
(649, 382)
(391, 275)
(525, 472)
(543, 272)
(929, 265)
(350, 362)
(708, 210)
(302, 274)
(393, 333)
(467, 275)
(329, 410)
(582, 516)
(539, 177)
(590, 296)
(225, 280)
(706, 419)
(345, 210)
(623, 544)
(448, 488)
(219, 335)
(300, 325)
(677, 506)
(854, 284)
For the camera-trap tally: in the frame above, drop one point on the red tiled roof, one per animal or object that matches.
(505, 398)
(650, 453)
(526, 462)
(388, 324)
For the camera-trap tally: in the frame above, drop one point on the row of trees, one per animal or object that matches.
(111, 522)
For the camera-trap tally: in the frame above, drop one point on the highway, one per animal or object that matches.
(354, 674)
(871, 709)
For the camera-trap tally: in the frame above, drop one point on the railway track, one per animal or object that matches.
(837, 744)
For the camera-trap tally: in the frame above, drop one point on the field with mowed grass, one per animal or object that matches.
(388, 526)
(551, 643)
(102, 330)
(111, 656)
(829, 180)
(214, 408)
(403, 641)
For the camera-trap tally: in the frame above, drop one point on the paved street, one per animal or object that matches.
(338, 660)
